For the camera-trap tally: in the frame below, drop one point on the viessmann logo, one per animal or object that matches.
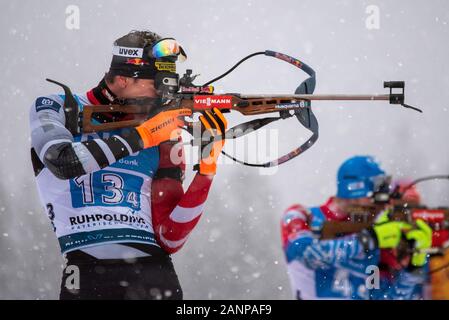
(214, 101)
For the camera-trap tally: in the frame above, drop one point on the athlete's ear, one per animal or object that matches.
(122, 81)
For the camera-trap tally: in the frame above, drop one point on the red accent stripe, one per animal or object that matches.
(175, 231)
(197, 192)
(291, 228)
(173, 195)
(91, 97)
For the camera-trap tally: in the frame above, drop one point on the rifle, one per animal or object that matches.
(182, 93)
(360, 218)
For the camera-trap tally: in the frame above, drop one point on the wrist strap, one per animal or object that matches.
(172, 173)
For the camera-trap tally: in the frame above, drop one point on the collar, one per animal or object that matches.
(332, 212)
(101, 94)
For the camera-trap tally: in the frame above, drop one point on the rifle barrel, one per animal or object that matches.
(329, 97)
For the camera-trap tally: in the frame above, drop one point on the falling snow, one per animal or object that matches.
(235, 252)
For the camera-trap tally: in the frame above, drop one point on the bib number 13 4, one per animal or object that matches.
(103, 188)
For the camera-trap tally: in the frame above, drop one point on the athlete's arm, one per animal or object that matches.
(301, 244)
(56, 149)
(175, 213)
(66, 159)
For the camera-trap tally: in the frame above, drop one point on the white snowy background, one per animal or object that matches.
(235, 252)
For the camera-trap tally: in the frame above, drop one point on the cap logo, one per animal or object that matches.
(356, 186)
(127, 52)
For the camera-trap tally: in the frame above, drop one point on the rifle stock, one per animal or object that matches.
(247, 106)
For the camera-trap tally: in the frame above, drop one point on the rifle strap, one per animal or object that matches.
(305, 116)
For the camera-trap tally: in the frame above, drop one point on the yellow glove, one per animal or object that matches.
(162, 127)
(422, 238)
(389, 233)
(214, 126)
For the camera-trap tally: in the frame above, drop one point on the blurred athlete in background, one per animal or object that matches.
(339, 268)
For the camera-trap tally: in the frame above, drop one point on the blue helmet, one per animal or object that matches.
(358, 177)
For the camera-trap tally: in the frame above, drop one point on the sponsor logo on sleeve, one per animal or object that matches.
(44, 103)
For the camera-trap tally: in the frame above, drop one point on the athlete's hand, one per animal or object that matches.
(389, 233)
(420, 238)
(213, 126)
(164, 126)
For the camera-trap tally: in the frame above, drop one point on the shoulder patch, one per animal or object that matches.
(45, 103)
